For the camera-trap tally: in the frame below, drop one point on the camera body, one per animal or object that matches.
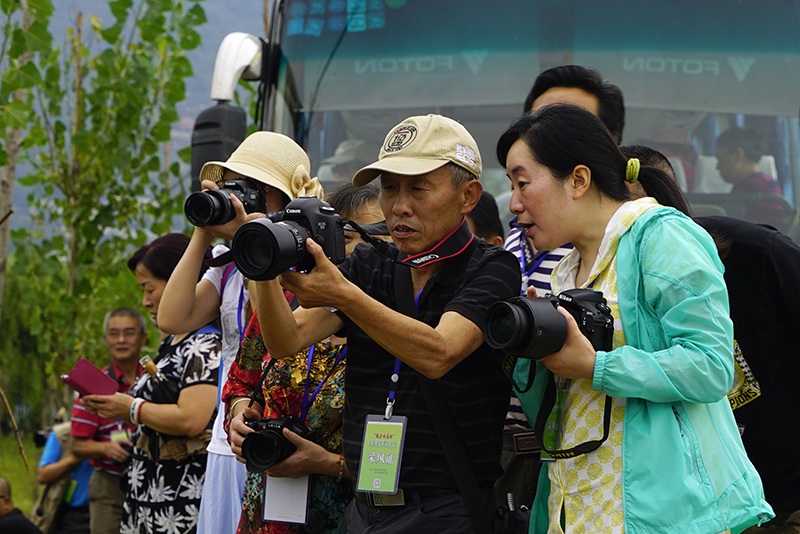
(264, 248)
(533, 328)
(267, 446)
(213, 207)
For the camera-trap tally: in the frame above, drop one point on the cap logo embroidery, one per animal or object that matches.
(465, 154)
(400, 138)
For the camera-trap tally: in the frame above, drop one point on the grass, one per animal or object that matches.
(23, 483)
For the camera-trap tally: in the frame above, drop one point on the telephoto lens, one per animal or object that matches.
(525, 327)
(263, 249)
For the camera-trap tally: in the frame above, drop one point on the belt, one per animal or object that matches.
(521, 442)
(401, 498)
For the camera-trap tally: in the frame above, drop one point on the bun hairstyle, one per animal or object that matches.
(563, 136)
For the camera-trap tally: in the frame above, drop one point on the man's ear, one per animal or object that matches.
(471, 193)
(580, 181)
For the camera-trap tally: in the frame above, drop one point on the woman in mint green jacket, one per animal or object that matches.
(672, 461)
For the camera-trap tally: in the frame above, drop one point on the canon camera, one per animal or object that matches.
(213, 206)
(533, 328)
(267, 446)
(265, 248)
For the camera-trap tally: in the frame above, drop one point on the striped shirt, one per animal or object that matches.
(476, 389)
(91, 426)
(536, 270)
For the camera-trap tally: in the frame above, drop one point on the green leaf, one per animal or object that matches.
(195, 16)
(190, 40)
(15, 114)
(38, 38)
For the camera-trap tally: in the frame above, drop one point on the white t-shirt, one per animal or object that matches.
(234, 320)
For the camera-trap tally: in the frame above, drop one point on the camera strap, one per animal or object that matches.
(548, 425)
(449, 246)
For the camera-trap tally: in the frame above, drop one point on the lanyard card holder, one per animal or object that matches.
(381, 454)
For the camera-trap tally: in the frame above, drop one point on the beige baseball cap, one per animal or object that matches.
(270, 158)
(422, 144)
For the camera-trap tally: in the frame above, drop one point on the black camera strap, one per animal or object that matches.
(443, 420)
(449, 246)
(548, 402)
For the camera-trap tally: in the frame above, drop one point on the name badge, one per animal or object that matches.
(381, 454)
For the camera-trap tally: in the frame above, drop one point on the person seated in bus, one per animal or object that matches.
(760, 261)
(738, 152)
(655, 402)
(582, 86)
(350, 155)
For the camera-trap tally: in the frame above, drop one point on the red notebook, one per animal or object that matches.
(87, 379)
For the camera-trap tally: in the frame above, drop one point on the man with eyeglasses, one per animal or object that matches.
(106, 442)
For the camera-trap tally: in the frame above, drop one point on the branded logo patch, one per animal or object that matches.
(428, 257)
(741, 66)
(465, 154)
(400, 138)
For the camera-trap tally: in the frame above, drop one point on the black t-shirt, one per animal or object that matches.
(16, 523)
(476, 389)
(762, 272)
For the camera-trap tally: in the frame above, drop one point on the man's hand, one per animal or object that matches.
(324, 285)
(577, 357)
(228, 229)
(118, 450)
(308, 459)
(239, 430)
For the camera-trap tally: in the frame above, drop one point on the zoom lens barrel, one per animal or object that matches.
(263, 249)
(208, 208)
(525, 327)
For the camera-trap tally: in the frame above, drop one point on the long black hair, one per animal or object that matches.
(563, 136)
(162, 255)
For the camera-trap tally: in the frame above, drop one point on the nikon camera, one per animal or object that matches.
(267, 446)
(532, 327)
(265, 248)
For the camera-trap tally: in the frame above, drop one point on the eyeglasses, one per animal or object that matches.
(128, 333)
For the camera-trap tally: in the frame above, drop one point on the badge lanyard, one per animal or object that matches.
(396, 374)
(308, 400)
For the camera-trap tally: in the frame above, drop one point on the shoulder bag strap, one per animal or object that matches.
(446, 429)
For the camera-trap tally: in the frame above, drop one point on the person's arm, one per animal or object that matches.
(188, 417)
(431, 351)
(286, 333)
(89, 448)
(687, 292)
(186, 304)
(309, 459)
(51, 472)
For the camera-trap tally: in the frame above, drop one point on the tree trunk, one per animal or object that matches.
(13, 142)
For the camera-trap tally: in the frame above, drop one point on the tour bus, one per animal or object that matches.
(346, 71)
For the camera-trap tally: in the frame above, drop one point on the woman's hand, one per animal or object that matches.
(577, 357)
(308, 459)
(239, 430)
(228, 229)
(116, 406)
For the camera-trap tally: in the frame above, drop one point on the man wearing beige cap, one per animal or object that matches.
(443, 279)
(279, 169)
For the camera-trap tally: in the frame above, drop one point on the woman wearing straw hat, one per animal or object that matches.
(280, 169)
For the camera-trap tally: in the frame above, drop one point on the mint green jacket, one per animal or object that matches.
(684, 466)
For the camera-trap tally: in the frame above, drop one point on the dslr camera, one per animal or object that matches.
(267, 446)
(264, 248)
(533, 328)
(213, 207)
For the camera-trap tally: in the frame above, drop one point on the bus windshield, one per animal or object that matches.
(689, 71)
